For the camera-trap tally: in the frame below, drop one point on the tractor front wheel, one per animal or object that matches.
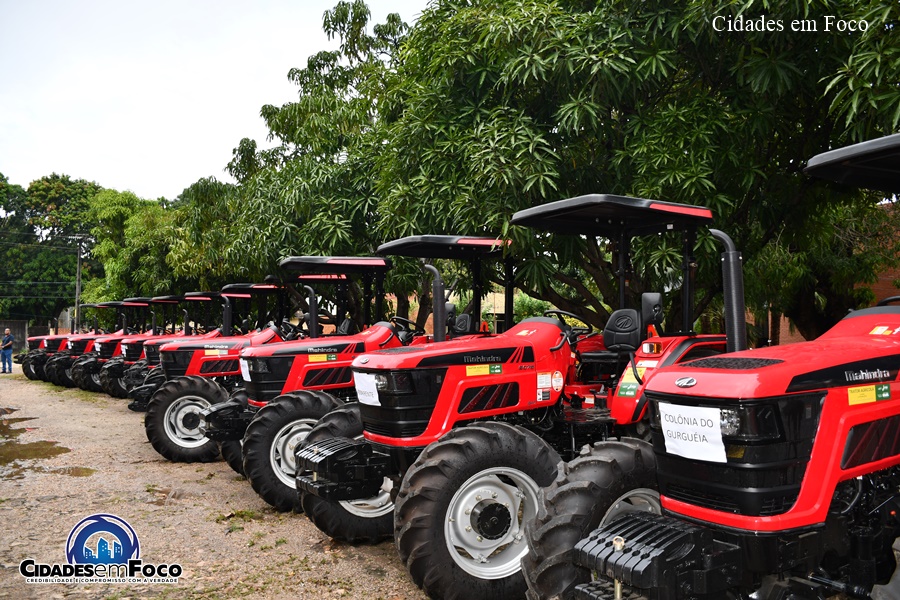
(172, 422)
(611, 478)
(232, 452)
(462, 508)
(28, 369)
(273, 434)
(112, 384)
(370, 520)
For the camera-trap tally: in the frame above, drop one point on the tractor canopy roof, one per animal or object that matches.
(202, 296)
(609, 216)
(443, 246)
(112, 304)
(874, 164)
(336, 265)
(245, 290)
(166, 299)
(136, 301)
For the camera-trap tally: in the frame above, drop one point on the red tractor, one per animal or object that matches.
(298, 383)
(204, 317)
(135, 318)
(777, 469)
(201, 372)
(464, 434)
(58, 366)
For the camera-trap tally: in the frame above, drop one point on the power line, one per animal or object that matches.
(20, 281)
(38, 245)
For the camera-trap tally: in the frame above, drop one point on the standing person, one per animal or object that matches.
(6, 352)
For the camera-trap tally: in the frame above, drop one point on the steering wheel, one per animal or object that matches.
(403, 323)
(576, 331)
(288, 330)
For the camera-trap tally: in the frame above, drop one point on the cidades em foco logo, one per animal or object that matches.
(101, 549)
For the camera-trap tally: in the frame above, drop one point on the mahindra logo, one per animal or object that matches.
(364, 360)
(624, 322)
(685, 382)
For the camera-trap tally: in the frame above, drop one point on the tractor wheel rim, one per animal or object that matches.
(181, 414)
(281, 453)
(370, 508)
(485, 521)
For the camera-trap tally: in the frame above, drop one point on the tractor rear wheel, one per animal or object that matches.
(172, 422)
(276, 429)
(462, 507)
(611, 478)
(366, 521)
(112, 385)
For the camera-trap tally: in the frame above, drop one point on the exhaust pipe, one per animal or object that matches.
(733, 283)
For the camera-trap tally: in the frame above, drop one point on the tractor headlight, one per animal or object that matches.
(730, 422)
(69, 345)
(258, 365)
(397, 382)
(98, 346)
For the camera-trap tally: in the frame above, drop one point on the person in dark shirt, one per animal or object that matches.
(6, 352)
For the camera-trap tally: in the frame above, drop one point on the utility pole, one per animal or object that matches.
(77, 289)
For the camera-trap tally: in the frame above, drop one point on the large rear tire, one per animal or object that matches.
(112, 385)
(273, 434)
(172, 422)
(366, 521)
(462, 507)
(611, 478)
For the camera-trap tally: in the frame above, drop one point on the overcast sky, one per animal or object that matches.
(149, 95)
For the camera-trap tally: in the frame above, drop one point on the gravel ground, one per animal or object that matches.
(96, 459)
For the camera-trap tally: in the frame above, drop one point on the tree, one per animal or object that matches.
(39, 260)
(499, 106)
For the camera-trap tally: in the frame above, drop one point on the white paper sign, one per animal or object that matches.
(366, 391)
(692, 432)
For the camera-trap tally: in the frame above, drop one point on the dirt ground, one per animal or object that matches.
(68, 454)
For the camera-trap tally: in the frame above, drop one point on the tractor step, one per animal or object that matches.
(603, 590)
(585, 416)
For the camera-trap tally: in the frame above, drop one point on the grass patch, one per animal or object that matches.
(240, 515)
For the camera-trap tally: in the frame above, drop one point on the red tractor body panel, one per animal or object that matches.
(478, 377)
(320, 363)
(211, 357)
(852, 368)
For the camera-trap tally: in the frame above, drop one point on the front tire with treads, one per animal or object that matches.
(232, 451)
(172, 422)
(462, 507)
(112, 385)
(611, 478)
(273, 434)
(366, 521)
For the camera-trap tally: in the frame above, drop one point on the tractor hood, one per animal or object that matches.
(223, 343)
(379, 333)
(528, 341)
(863, 349)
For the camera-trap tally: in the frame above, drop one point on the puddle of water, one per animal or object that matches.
(16, 457)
